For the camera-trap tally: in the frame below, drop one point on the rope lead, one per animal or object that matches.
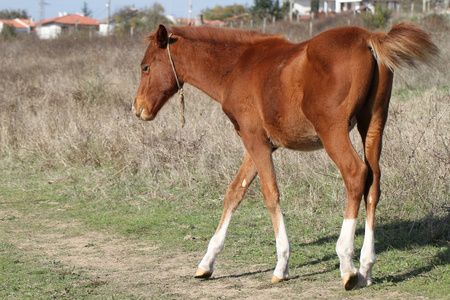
(181, 101)
(180, 88)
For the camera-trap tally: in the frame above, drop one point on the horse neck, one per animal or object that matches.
(205, 65)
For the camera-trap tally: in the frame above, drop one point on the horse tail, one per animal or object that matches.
(403, 46)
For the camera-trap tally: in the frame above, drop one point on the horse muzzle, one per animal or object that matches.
(143, 114)
(141, 111)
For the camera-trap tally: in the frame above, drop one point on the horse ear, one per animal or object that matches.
(161, 36)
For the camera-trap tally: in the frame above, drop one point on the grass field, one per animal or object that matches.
(95, 204)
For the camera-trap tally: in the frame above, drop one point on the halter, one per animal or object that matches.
(180, 88)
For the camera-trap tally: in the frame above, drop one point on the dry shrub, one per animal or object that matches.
(416, 161)
(435, 23)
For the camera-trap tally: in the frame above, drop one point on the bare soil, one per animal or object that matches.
(120, 266)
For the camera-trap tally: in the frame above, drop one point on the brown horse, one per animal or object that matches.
(299, 96)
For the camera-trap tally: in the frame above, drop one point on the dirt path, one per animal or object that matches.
(122, 266)
(119, 266)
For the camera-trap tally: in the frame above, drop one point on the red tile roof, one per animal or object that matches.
(214, 22)
(184, 20)
(72, 20)
(18, 23)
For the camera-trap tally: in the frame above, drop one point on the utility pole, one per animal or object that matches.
(190, 11)
(42, 5)
(108, 5)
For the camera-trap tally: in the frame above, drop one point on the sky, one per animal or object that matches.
(177, 8)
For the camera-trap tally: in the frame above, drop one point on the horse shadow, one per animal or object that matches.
(400, 235)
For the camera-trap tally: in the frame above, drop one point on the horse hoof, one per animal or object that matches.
(350, 281)
(202, 273)
(275, 279)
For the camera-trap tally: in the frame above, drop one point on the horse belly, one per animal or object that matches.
(296, 136)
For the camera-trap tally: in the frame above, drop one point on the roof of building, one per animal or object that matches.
(215, 22)
(72, 20)
(19, 23)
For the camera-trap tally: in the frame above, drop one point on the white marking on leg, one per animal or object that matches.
(370, 200)
(368, 258)
(215, 246)
(283, 252)
(344, 247)
(244, 183)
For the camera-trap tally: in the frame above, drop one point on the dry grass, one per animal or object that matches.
(68, 103)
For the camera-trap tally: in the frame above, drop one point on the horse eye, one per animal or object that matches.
(145, 68)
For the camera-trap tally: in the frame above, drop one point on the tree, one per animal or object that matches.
(8, 31)
(378, 19)
(269, 8)
(149, 18)
(223, 12)
(125, 18)
(13, 14)
(261, 9)
(315, 6)
(85, 10)
(143, 20)
(280, 11)
(276, 10)
(285, 10)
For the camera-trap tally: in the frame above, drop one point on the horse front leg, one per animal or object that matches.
(235, 194)
(262, 156)
(281, 272)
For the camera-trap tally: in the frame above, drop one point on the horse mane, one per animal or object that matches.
(220, 35)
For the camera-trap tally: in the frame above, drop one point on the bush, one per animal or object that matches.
(378, 19)
(8, 31)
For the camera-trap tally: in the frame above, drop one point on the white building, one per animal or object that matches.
(344, 5)
(303, 7)
(105, 28)
(54, 27)
(20, 25)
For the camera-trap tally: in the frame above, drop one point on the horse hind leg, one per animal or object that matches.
(371, 122)
(372, 150)
(354, 172)
(233, 198)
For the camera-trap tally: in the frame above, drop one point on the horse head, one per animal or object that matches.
(158, 82)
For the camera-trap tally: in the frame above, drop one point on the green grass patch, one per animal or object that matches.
(29, 277)
(138, 209)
